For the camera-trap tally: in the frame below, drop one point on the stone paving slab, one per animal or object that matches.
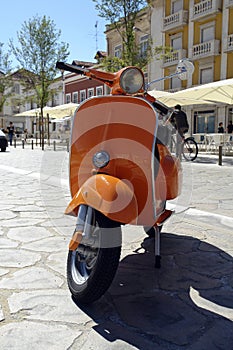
(35, 335)
(187, 304)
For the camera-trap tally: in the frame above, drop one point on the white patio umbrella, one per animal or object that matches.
(62, 111)
(170, 99)
(218, 91)
(32, 112)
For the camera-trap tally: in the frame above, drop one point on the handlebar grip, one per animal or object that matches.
(161, 107)
(70, 68)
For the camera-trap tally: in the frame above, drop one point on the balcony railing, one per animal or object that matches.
(175, 20)
(206, 49)
(229, 3)
(228, 44)
(205, 9)
(174, 58)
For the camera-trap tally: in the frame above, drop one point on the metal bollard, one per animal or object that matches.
(54, 145)
(67, 145)
(15, 143)
(32, 145)
(23, 144)
(220, 155)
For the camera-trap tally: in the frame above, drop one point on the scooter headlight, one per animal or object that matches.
(132, 80)
(101, 159)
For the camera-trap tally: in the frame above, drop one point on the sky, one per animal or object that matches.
(76, 19)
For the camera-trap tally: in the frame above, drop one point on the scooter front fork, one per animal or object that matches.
(83, 226)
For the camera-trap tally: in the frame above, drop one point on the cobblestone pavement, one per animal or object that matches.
(187, 304)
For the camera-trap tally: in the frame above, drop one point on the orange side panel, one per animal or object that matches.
(169, 179)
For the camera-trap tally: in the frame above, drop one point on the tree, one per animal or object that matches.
(122, 15)
(5, 78)
(39, 49)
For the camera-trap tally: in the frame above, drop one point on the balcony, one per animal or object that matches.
(204, 9)
(206, 49)
(228, 3)
(175, 21)
(228, 44)
(174, 58)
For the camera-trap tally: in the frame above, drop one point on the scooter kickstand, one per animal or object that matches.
(157, 247)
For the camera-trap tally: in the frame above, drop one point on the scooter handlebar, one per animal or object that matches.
(161, 107)
(70, 68)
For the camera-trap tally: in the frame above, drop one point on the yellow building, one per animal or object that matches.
(203, 32)
(198, 30)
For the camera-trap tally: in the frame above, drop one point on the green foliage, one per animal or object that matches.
(122, 14)
(5, 78)
(161, 52)
(39, 49)
(114, 10)
(112, 64)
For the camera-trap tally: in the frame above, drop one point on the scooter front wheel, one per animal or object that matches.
(91, 269)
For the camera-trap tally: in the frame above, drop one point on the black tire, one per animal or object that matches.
(189, 149)
(3, 149)
(90, 276)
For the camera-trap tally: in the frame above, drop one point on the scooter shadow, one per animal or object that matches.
(186, 303)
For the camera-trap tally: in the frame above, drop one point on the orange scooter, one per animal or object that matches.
(121, 172)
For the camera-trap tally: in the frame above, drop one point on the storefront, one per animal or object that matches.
(204, 122)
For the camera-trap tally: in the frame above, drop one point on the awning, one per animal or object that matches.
(62, 111)
(170, 99)
(62, 120)
(218, 91)
(33, 112)
(58, 112)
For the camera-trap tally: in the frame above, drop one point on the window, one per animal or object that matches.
(75, 97)
(230, 115)
(204, 122)
(118, 51)
(68, 98)
(16, 88)
(176, 42)
(206, 75)
(207, 33)
(90, 92)
(28, 105)
(175, 83)
(82, 95)
(176, 6)
(99, 91)
(55, 100)
(144, 45)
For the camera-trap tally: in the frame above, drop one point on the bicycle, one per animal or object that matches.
(189, 149)
(167, 134)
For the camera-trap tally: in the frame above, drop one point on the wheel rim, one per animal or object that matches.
(189, 150)
(81, 267)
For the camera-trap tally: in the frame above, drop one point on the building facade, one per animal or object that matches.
(77, 88)
(203, 32)
(21, 100)
(142, 31)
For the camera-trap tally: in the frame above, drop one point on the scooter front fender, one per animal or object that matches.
(111, 196)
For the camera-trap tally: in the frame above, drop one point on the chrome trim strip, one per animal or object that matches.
(153, 166)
